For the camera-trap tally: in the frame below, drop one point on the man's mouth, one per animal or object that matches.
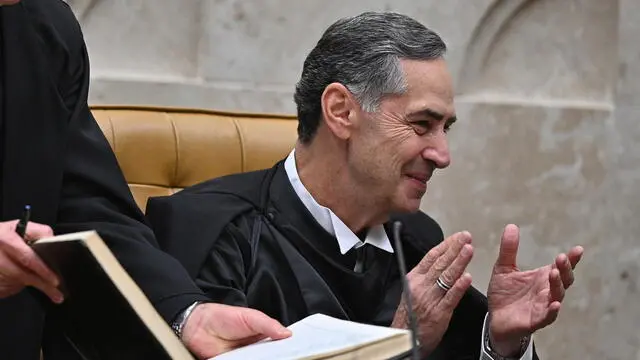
(419, 178)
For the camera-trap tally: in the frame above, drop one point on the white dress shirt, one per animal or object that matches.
(347, 240)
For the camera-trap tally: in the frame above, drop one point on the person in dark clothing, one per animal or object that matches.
(311, 235)
(55, 158)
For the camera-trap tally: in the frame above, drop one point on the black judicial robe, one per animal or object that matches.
(55, 158)
(250, 241)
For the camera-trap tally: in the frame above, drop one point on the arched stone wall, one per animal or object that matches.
(548, 94)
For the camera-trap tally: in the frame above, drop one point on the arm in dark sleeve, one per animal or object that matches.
(96, 196)
(223, 275)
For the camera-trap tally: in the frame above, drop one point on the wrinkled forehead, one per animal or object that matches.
(429, 85)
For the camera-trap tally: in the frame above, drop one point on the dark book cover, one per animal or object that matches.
(99, 319)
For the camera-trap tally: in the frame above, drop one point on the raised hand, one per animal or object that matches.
(213, 329)
(433, 303)
(521, 302)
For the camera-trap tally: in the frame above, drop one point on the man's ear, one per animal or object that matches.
(338, 110)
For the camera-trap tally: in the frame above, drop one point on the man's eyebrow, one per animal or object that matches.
(432, 114)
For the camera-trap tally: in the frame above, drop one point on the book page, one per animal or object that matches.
(314, 335)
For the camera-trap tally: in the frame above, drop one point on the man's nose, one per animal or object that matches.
(437, 151)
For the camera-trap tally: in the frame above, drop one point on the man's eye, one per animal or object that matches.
(420, 127)
(448, 126)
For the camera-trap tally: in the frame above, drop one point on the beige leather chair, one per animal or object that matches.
(162, 150)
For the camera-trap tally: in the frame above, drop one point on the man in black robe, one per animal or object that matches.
(55, 158)
(311, 235)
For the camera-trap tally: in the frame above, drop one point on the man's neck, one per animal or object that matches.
(328, 181)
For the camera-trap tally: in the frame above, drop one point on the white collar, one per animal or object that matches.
(376, 235)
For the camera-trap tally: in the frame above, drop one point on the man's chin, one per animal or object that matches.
(408, 206)
(8, 2)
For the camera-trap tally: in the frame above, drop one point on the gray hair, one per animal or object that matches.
(363, 53)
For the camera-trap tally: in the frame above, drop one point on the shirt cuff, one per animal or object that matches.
(484, 353)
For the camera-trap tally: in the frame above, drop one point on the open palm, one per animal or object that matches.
(521, 302)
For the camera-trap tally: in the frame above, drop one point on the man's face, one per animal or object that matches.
(394, 151)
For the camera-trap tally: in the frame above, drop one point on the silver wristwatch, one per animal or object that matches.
(178, 324)
(524, 343)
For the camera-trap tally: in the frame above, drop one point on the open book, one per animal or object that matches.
(324, 337)
(109, 313)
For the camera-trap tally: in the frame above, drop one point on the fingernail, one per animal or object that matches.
(58, 299)
(465, 237)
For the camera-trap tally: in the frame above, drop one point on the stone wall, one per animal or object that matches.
(548, 139)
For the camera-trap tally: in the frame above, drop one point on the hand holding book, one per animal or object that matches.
(20, 266)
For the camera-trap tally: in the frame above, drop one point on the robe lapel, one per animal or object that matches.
(34, 119)
(316, 293)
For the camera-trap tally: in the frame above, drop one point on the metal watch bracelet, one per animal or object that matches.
(524, 343)
(178, 324)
